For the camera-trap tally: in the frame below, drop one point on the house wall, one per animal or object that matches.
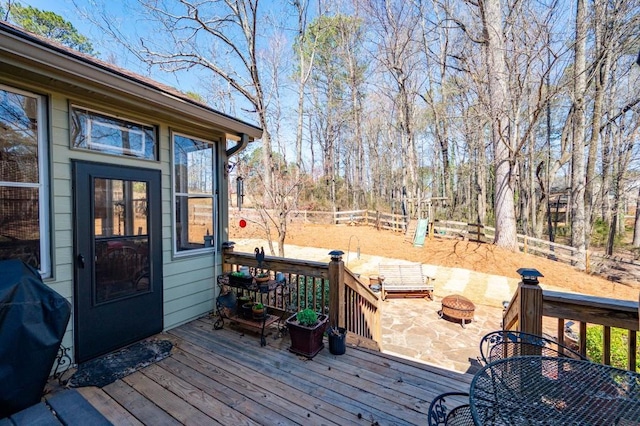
(189, 284)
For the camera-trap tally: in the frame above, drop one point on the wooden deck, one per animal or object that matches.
(225, 377)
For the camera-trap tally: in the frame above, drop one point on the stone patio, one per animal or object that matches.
(411, 327)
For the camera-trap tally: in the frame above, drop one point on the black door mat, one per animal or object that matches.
(116, 365)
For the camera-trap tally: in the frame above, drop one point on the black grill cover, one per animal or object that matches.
(33, 319)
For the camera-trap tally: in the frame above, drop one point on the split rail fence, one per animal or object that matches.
(594, 262)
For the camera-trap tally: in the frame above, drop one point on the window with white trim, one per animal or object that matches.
(24, 185)
(100, 132)
(194, 194)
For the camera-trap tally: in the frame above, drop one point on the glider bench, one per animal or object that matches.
(405, 280)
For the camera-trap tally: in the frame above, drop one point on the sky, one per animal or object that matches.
(194, 80)
(110, 51)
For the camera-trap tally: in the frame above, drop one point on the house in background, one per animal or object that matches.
(114, 187)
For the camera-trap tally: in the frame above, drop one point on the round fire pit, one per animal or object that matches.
(457, 307)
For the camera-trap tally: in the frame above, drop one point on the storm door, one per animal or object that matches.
(118, 264)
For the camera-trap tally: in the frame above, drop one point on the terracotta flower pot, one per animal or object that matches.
(258, 313)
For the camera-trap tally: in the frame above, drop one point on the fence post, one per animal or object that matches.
(587, 261)
(337, 314)
(530, 300)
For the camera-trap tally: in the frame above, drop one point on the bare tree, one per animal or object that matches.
(577, 149)
(436, 40)
(220, 37)
(496, 72)
(305, 53)
(336, 83)
(395, 26)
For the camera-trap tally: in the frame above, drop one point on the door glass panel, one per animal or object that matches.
(121, 239)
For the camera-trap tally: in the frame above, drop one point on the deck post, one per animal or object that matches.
(530, 300)
(227, 247)
(337, 311)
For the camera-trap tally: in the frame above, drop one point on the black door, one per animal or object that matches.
(118, 264)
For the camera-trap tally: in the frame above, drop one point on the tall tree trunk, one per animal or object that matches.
(636, 224)
(577, 158)
(601, 76)
(498, 95)
(304, 72)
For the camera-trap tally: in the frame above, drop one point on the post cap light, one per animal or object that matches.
(529, 275)
(336, 254)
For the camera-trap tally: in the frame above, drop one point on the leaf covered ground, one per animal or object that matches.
(455, 253)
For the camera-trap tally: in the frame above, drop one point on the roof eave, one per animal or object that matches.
(49, 58)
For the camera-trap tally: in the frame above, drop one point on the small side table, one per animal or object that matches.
(457, 307)
(226, 306)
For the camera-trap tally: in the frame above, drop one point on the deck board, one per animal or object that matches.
(226, 377)
(140, 407)
(170, 402)
(108, 407)
(303, 376)
(237, 362)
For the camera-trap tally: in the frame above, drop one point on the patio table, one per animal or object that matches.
(537, 390)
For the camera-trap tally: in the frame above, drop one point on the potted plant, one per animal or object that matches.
(306, 329)
(239, 279)
(258, 311)
(247, 310)
(262, 277)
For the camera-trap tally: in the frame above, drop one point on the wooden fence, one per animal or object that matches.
(598, 263)
(377, 219)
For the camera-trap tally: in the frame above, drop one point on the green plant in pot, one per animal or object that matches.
(258, 310)
(262, 277)
(239, 279)
(306, 329)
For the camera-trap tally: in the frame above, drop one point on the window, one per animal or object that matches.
(24, 191)
(98, 132)
(194, 194)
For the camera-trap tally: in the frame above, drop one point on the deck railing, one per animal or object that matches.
(328, 288)
(530, 304)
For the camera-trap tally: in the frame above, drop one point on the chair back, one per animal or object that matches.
(450, 409)
(505, 344)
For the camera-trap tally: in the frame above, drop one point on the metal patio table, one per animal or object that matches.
(537, 390)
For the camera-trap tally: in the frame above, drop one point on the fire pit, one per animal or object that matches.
(457, 307)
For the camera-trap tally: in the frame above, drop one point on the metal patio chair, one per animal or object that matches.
(505, 344)
(448, 410)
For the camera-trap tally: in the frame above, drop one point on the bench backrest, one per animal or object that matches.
(399, 274)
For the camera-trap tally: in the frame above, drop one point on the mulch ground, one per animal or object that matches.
(455, 253)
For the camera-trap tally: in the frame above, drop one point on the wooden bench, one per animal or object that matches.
(405, 280)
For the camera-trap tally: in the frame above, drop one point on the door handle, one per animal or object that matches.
(80, 259)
